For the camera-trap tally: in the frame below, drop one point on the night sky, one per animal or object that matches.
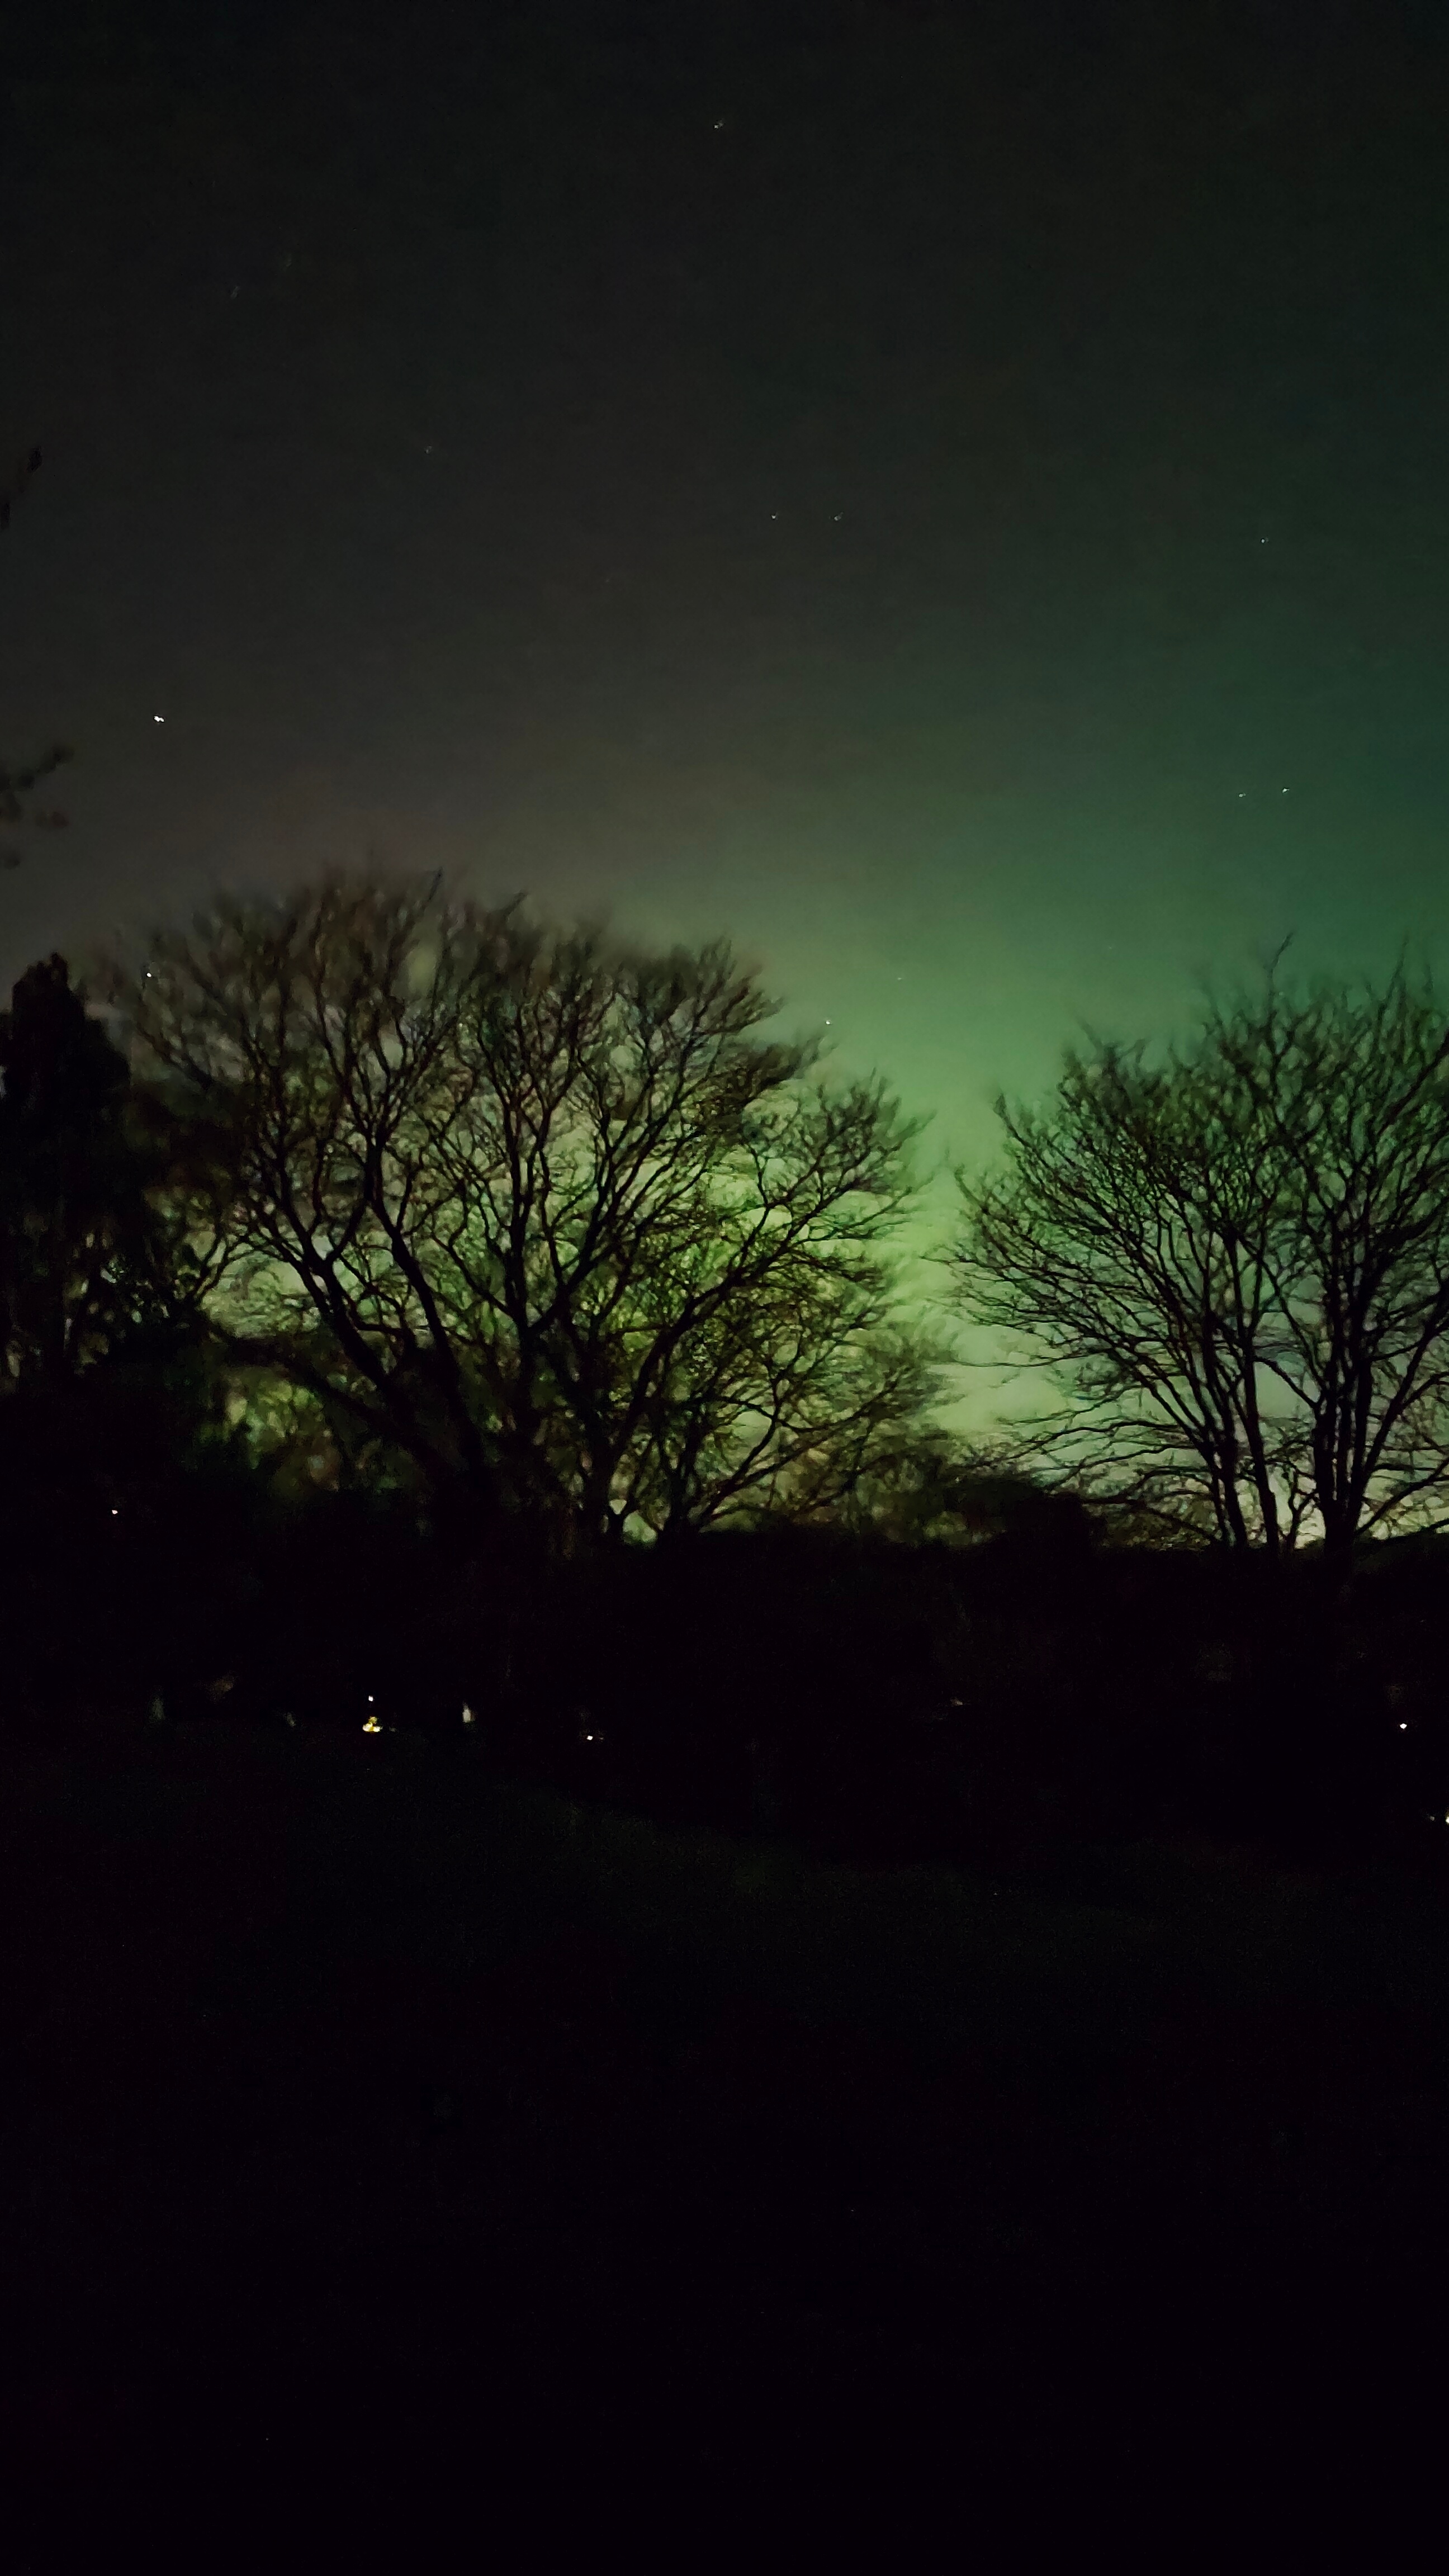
(957, 499)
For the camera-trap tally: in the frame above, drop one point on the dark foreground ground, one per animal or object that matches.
(391, 2151)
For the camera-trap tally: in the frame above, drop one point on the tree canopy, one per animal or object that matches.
(553, 1217)
(1234, 1262)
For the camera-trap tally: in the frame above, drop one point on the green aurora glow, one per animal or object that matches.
(961, 513)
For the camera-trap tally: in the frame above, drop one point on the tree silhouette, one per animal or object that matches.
(550, 1215)
(70, 1206)
(1351, 1091)
(1235, 1264)
(104, 1204)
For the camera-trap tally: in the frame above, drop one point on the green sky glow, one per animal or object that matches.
(963, 516)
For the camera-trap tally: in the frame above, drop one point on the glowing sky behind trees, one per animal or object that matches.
(910, 488)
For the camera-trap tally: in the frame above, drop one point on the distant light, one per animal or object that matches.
(372, 1725)
(115, 1511)
(1403, 1726)
(468, 1718)
(158, 719)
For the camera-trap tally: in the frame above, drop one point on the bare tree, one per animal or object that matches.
(552, 1216)
(1351, 1092)
(1125, 1252)
(1235, 1265)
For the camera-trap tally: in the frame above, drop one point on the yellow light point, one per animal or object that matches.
(372, 1724)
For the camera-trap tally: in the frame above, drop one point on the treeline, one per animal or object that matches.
(378, 1271)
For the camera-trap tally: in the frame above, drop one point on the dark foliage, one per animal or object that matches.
(1001, 1706)
(995, 1700)
(387, 2129)
(378, 2140)
(73, 1211)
